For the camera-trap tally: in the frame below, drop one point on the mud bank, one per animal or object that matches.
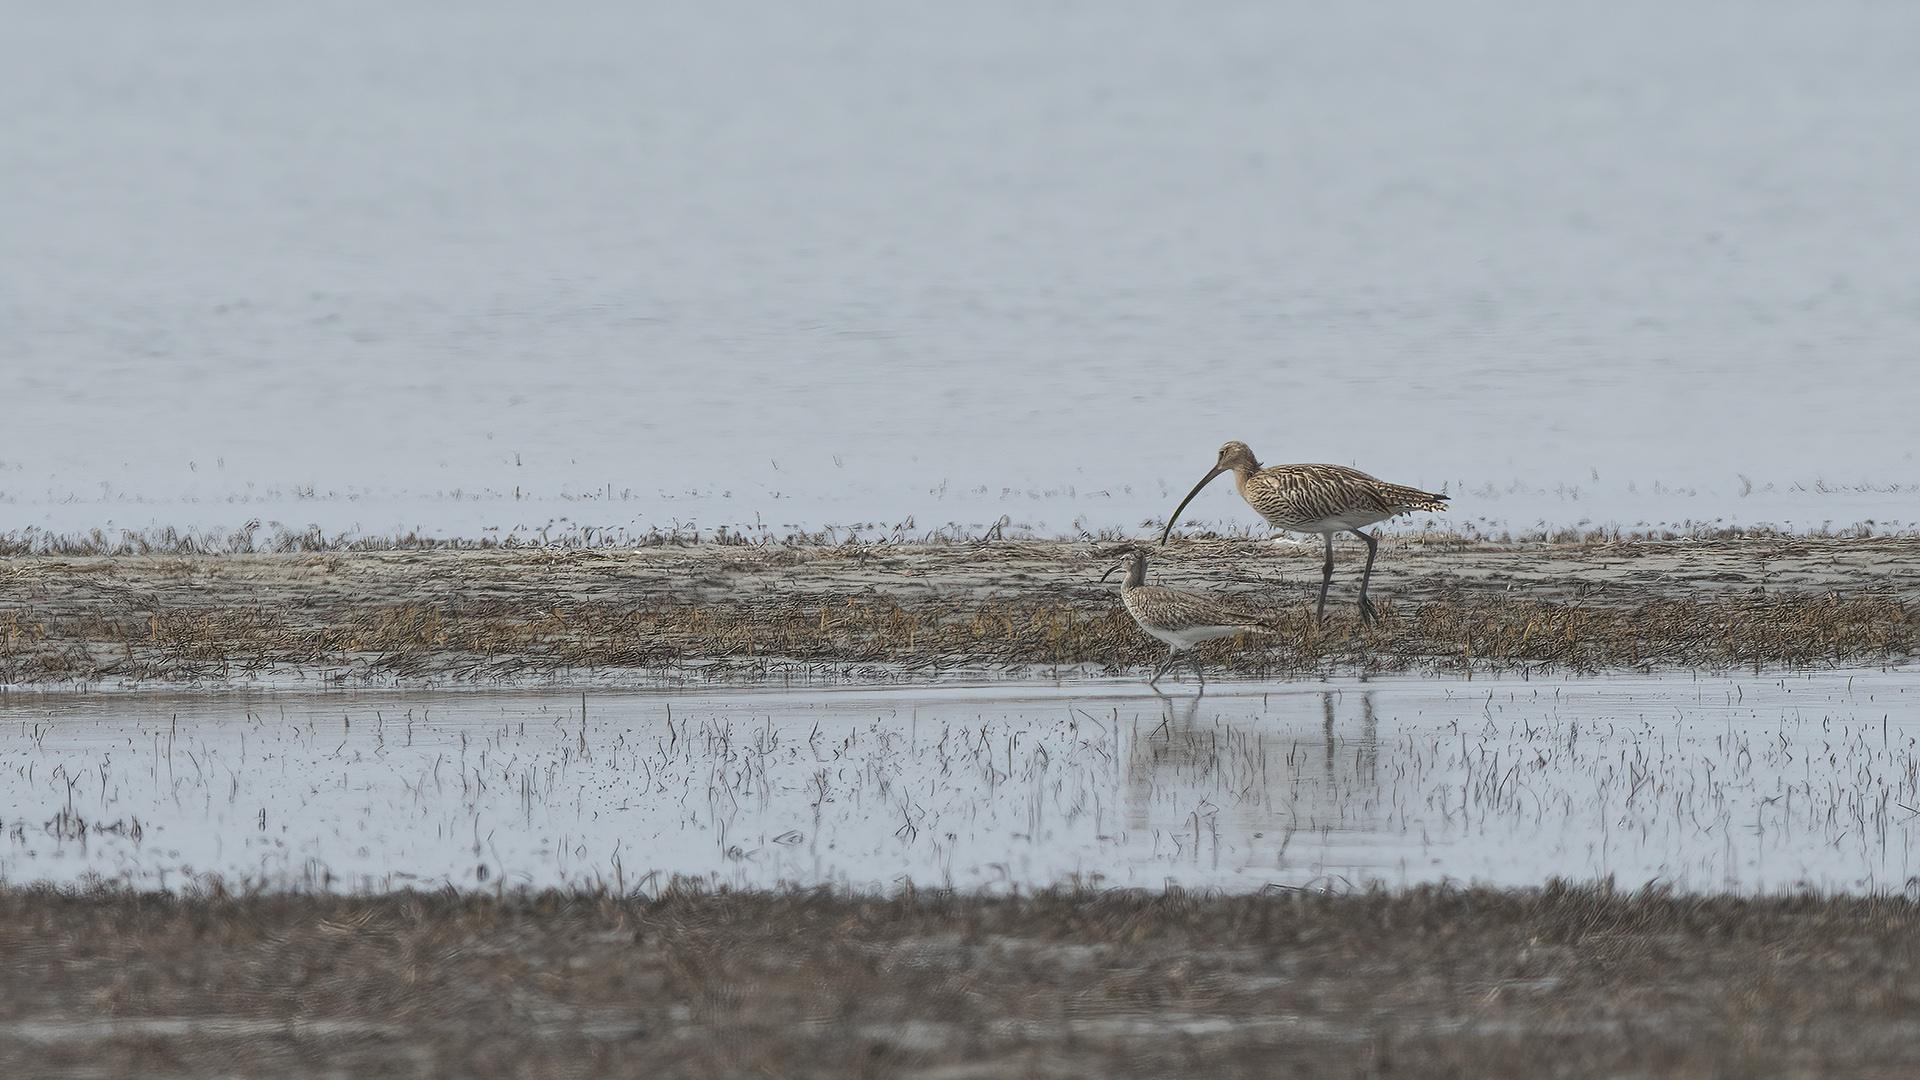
(880, 611)
(1430, 982)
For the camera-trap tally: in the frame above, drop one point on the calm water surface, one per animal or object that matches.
(1749, 783)
(532, 269)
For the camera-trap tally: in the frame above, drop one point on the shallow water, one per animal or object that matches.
(631, 266)
(1747, 784)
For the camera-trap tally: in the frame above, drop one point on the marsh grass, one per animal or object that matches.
(767, 611)
(1563, 980)
(280, 539)
(503, 639)
(1723, 633)
(276, 537)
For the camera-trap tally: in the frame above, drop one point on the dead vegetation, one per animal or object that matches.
(745, 611)
(1436, 981)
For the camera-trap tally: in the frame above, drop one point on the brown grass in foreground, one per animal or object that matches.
(733, 611)
(479, 641)
(1561, 981)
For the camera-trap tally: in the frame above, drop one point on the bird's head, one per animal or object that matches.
(1234, 455)
(1130, 557)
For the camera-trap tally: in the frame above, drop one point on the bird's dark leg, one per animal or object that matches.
(1373, 548)
(1172, 655)
(1326, 578)
(1197, 673)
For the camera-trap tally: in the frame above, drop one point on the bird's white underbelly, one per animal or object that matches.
(1188, 637)
(1358, 519)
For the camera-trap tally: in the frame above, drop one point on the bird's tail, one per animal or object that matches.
(1408, 500)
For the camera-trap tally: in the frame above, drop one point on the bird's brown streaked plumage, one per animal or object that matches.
(1181, 619)
(1323, 499)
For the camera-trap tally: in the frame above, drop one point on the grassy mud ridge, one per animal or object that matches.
(858, 610)
(1558, 981)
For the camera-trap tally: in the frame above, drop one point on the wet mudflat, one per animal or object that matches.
(1429, 982)
(296, 815)
(1746, 784)
(867, 612)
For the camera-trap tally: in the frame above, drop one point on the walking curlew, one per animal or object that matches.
(1323, 499)
(1181, 619)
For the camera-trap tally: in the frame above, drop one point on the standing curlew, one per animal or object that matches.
(1323, 499)
(1181, 619)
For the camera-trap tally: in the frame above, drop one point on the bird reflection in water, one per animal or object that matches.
(1234, 785)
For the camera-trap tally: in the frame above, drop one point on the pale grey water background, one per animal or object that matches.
(1752, 783)
(386, 266)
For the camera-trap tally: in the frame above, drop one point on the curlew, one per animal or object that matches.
(1181, 619)
(1323, 499)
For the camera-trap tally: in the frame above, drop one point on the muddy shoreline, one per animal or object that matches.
(727, 611)
(1559, 981)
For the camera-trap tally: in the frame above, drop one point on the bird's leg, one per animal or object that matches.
(1197, 673)
(1373, 548)
(1326, 578)
(1172, 655)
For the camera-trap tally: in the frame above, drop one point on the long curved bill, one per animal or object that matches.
(1175, 516)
